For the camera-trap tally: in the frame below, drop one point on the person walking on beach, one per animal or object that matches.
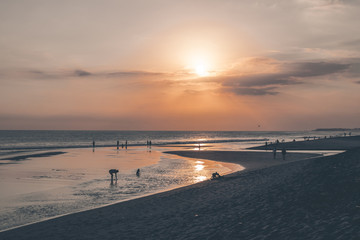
(274, 152)
(138, 172)
(283, 151)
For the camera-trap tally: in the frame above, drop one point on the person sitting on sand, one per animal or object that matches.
(215, 175)
(138, 172)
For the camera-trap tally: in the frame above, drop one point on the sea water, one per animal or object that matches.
(19, 139)
(37, 188)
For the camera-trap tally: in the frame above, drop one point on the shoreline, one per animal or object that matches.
(150, 196)
(308, 198)
(10, 222)
(250, 160)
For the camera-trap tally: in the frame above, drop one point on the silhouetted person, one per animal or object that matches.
(117, 144)
(266, 145)
(126, 144)
(138, 172)
(283, 152)
(93, 144)
(274, 153)
(112, 172)
(215, 175)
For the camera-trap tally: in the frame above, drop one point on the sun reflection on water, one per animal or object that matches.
(199, 146)
(200, 178)
(199, 167)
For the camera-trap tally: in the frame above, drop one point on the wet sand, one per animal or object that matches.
(35, 155)
(316, 198)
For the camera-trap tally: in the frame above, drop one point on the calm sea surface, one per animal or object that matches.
(68, 139)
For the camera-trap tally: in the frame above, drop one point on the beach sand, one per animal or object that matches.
(316, 198)
(335, 143)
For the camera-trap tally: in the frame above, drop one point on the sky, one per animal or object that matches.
(179, 64)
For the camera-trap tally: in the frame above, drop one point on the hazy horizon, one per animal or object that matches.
(179, 65)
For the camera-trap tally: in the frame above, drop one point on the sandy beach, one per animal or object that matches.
(302, 197)
(334, 143)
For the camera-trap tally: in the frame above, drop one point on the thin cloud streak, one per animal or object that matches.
(253, 91)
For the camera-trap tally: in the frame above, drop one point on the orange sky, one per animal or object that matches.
(179, 65)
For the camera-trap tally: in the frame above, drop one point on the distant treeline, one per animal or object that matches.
(336, 129)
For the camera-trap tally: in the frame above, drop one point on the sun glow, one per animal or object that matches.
(200, 64)
(201, 70)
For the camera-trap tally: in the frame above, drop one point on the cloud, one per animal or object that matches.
(133, 74)
(81, 73)
(313, 69)
(254, 91)
(261, 80)
(288, 73)
(63, 74)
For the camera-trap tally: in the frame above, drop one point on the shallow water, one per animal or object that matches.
(39, 188)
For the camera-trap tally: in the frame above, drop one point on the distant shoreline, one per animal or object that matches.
(336, 129)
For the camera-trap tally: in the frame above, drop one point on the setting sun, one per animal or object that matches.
(201, 70)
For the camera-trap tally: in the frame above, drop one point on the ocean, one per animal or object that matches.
(44, 139)
(45, 174)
